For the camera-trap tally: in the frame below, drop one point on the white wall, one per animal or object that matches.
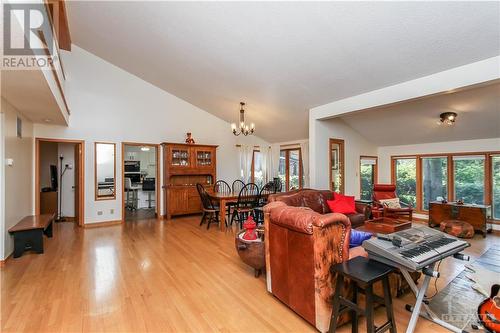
(355, 146)
(19, 185)
(109, 104)
(66, 189)
(385, 153)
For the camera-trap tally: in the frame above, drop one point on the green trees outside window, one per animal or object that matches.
(422, 179)
(468, 176)
(406, 180)
(495, 174)
(434, 179)
(367, 173)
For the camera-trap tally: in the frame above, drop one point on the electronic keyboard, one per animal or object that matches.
(414, 248)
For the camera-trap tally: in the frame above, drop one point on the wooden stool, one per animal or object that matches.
(363, 273)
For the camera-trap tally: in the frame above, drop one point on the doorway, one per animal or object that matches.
(140, 181)
(59, 179)
(336, 152)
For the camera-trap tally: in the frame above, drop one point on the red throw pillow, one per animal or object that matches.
(343, 206)
(348, 198)
(341, 196)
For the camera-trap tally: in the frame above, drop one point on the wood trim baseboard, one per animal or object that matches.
(102, 224)
(4, 262)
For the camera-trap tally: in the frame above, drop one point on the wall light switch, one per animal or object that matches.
(111, 211)
(99, 212)
(9, 161)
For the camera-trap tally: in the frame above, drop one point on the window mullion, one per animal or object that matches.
(419, 184)
(451, 179)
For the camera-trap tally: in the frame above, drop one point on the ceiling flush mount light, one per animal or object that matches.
(447, 118)
(145, 148)
(243, 128)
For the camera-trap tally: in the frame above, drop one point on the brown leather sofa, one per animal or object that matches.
(303, 239)
(316, 200)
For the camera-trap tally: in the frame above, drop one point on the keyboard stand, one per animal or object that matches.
(420, 308)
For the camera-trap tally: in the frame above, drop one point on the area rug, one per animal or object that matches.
(457, 303)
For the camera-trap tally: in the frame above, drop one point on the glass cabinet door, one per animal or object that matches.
(203, 158)
(179, 157)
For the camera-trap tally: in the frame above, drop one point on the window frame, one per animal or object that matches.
(375, 171)
(488, 173)
(420, 200)
(418, 176)
(489, 180)
(287, 167)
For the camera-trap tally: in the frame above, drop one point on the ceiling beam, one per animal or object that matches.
(442, 82)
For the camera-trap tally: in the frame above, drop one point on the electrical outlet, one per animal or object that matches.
(99, 212)
(111, 211)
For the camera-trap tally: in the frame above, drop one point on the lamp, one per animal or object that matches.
(243, 127)
(447, 118)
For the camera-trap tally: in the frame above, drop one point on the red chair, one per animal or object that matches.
(388, 191)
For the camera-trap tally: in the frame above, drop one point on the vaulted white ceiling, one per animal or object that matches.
(283, 58)
(414, 122)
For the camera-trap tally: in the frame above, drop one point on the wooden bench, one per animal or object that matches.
(28, 233)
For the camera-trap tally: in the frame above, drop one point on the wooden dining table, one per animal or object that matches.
(222, 199)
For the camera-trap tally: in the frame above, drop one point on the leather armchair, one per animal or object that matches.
(302, 240)
(388, 191)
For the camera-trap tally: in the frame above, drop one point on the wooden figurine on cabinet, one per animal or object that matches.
(189, 139)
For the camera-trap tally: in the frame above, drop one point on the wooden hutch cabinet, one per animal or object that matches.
(185, 165)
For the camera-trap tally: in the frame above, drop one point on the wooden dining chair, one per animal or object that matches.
(221, 186)
(210, 210)
(247, 201)
(262, 201)
(278, 185)
(237, 186)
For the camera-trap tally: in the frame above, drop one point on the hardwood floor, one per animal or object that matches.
(154, 276)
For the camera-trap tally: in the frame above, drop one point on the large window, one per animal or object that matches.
(495, 180)
(367, 176)
(257, 169)
(471, 177)
(290, 169)
(434, 179)
(468, 173)
(406, 180)
(282, 168)
(294, 171)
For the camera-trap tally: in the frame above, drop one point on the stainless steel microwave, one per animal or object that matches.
(132, 166)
